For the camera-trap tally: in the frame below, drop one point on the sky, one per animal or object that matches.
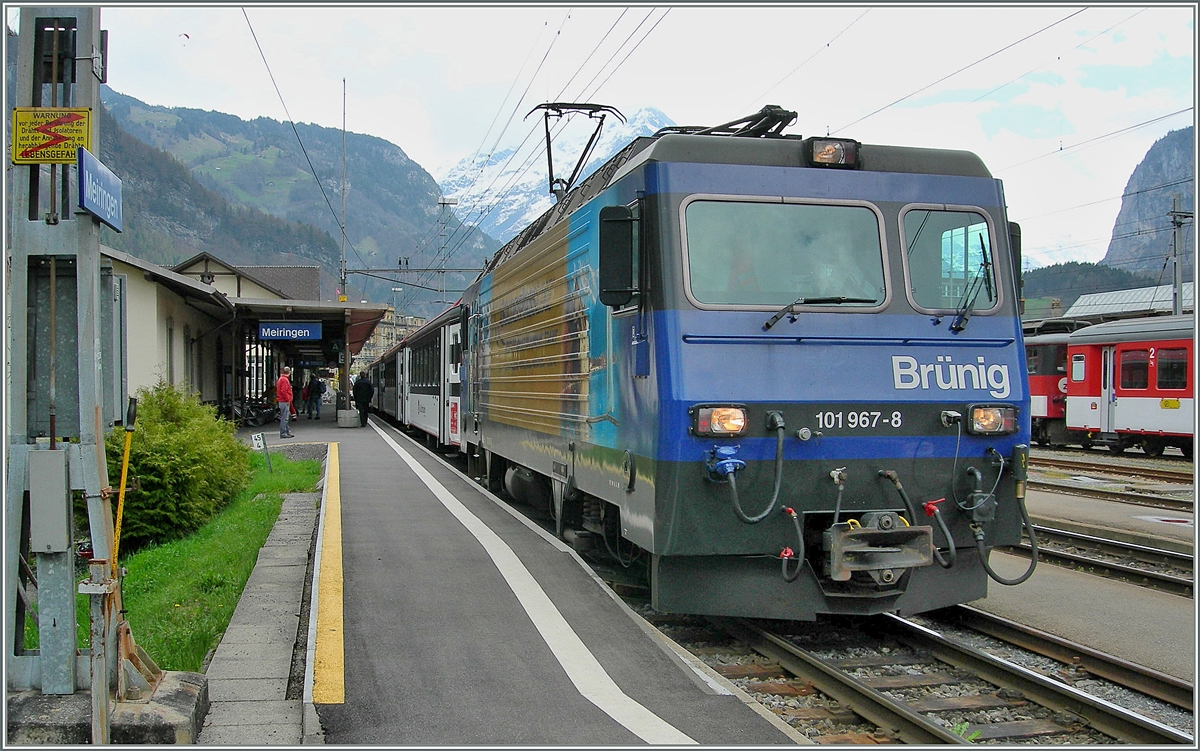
(1061, 102)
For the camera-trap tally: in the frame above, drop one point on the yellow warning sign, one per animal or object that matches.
(50, 135)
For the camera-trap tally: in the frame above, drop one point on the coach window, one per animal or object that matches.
(1077, 367)
(1135, 369)
(949, 259)
(1172, 369)
(773, 253)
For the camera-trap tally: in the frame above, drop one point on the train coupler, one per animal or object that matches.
(880, 544)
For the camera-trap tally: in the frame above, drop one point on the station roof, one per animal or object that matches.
(360, 318)
(1123, 303)
(204, 296)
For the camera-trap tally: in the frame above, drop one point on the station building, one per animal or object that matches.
(224, 331)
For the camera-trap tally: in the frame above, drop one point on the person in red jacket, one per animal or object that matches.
(283, 396)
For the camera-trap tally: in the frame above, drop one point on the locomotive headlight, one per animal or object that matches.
(992, 419)
(718, 421)
(831, 152)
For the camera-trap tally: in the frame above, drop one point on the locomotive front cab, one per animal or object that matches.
(840, 381)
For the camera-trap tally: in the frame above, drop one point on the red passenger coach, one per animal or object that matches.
(1046, 362)
(1131, 383)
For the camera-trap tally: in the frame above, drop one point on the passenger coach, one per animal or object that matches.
(1131, 383)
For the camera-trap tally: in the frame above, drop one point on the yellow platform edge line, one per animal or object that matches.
(329, 662)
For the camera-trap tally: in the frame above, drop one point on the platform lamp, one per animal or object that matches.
(395, 313)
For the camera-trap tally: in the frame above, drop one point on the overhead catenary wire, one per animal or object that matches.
(1152, 188)
(807, 60)
(960, 70)
(410, 296)
(1096, 139)
(528, 163)
(300, 141)
(1059, 57)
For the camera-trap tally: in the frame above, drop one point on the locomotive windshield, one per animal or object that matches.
(758, 253)
(949, 260)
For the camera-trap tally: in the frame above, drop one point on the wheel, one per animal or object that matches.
(1153, 447)
(1187, 450)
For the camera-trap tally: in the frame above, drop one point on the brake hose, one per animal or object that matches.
(931, 509)
(1033, 549)
(895, 480)
(732, 477)
(788, 553)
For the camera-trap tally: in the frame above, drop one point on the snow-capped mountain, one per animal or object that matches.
(505, 193)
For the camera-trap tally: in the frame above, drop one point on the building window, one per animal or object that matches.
(188, 371)
(170, 351)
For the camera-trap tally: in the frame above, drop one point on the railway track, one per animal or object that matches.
(1073, 656)
(1186, 505)
(888, 680)
(1162, 570)
(1158, 474)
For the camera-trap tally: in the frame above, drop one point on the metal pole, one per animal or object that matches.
(345, 374)
(443, 203)
(1177, 286)
(395, 315)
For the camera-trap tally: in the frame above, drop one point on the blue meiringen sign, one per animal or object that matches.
(99, 190)
(291, 331)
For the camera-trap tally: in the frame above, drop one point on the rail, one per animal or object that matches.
(1153, 579)
(1151, 682)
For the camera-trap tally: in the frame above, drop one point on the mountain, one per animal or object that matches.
(391, 205)
(502, 194)
(1141, 238)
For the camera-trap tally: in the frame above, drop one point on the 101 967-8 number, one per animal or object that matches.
(857, 420)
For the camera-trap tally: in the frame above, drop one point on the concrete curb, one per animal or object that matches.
(249, 673)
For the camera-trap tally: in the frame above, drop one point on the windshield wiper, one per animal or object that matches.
(971, 294)
(789, 309)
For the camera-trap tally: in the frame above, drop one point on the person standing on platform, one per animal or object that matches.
(316, 387)
(283, 397)
(363, 390)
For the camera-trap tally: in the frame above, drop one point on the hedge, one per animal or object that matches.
(187, 460)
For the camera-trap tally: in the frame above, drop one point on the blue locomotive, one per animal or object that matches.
(774, 376)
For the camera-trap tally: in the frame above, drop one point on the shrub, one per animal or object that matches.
(188, 461)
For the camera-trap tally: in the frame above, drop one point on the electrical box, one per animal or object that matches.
(49, 502)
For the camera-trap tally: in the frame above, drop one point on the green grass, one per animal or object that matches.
(180, 596)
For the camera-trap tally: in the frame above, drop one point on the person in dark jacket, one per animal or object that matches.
(363, 390)
(316, 387)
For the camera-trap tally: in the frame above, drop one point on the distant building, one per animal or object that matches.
(264, 282)
(1130, 303)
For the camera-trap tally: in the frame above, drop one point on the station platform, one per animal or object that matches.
(462, 623)
(1152, 629)
(465, 624)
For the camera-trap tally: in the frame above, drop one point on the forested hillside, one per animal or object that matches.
(169, 216)
(1067, 281)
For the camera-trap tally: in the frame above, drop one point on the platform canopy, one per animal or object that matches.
(357, 319)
